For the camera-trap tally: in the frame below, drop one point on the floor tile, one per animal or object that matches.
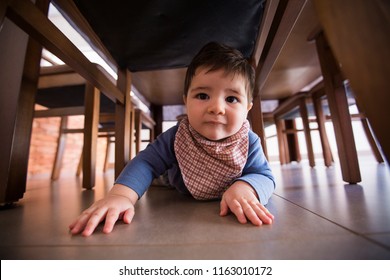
(362, 208)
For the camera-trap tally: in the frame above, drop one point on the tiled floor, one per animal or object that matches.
(317, 217)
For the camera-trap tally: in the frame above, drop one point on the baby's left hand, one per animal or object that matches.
(242, 200)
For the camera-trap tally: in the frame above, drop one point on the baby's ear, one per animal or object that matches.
(185, 99)
(250, 105)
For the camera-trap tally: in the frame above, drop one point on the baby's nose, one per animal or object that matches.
(217, 107)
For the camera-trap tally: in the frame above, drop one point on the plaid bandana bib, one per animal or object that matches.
(209, 167)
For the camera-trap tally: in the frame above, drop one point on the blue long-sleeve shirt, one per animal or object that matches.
(159, 157)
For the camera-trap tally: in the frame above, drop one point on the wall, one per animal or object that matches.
(44, 143)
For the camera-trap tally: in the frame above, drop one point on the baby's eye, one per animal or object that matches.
(202, 96)
(232, 99)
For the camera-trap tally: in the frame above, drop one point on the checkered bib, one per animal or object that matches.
(209, 167)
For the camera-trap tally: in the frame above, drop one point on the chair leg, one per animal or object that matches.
(338, 106)
(138, 130)
(371, 141)
(80, 165)
(306, 129)
(91, 122)
(18, 96)
(108, 154)
(281, 141)
(370, 137)
(257, 123)
(123, 123)
(320, 118)
(292, 144)
(55, 173)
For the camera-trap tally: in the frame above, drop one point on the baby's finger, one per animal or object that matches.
(224, 208)
(79, 224)
(264, 214)
(111, 218)
(94, 220)
(237, 210)
(249, 209)
(128, 216)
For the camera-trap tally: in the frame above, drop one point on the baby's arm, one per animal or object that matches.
(117, 205)
(120, 201)
(242, 200)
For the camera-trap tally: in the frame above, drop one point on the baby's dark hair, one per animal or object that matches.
(216, 56)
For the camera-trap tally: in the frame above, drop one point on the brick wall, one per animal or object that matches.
(44, 143)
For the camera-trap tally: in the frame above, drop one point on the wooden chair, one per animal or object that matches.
(62, 91)
(284, 117)
(65, 94)
(142, 121)
(106, 130)
(320, 97)
(312, 106)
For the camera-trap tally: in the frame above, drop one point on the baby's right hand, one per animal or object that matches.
(118, 205)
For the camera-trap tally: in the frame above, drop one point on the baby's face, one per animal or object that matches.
(217, 104)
